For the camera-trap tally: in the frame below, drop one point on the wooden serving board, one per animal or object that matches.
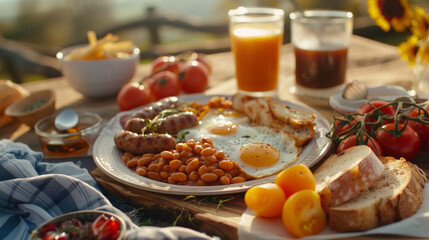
(208, 217)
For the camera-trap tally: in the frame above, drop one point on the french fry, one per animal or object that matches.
(106, 47)
(92, 38)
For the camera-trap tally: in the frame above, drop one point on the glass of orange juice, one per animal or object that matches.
(256, 37)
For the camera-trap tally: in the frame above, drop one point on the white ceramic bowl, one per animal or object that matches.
(98, 78)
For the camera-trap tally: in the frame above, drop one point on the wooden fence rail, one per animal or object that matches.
(19, 59)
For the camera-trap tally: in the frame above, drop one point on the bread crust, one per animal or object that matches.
(384, 209)
(363, 171)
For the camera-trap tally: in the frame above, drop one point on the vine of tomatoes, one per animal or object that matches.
(398, 129)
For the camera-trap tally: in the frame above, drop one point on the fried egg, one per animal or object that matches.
(258, 151)
(264, 154)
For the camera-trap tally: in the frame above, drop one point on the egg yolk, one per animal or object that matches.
(222, 128)
(259, 154)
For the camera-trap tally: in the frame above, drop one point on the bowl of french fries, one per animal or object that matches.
(100, 68)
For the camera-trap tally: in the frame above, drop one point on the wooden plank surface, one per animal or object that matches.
(372, 62)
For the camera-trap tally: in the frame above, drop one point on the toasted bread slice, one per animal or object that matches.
(301, 135)
(398, 194)
(344, 176)
(296, 117)
(297, 123)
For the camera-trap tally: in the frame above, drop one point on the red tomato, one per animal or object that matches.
(194, 77)
(368, 107)
(407, 145)
(166, 63)
(341, 126)
(164, 84)
(351, 141)
(421, 128)
(105, 228)
(133, 95)
(201, 58)
(427, 147)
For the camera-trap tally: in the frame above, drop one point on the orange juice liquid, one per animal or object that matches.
(256, 49)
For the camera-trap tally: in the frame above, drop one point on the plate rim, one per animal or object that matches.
(101, 156)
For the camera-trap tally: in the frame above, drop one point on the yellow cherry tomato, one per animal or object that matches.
(303, 215)
(296, 178)
(265, 200)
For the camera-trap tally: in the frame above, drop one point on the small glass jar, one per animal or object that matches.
(72, 141)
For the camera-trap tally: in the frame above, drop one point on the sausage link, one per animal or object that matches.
(139, 144)
(170, 124)
(176, 122)
(151, 111)
(135, 125)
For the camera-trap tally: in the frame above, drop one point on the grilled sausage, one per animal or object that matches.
(170, 124)
(135, 125)
(176, 122)
(151, 111)
(139, 144)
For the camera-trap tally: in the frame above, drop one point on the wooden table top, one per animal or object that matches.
(371, 62)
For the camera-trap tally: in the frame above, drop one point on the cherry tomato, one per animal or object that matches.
(341, 126)
(295, 178)
(164, 84)
(133, 95)
(105, 227)
(351, 141)
(368, 107)
(427, 147)
(265, 200)
(166, 63)
(407, 145)
(421, 128)
(303, 215)
(194, 77)
(47, 228)
(201, 58)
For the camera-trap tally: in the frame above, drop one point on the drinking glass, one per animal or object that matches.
(320, 39)
(256, 37)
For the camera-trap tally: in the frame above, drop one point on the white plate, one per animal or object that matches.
(107, 157)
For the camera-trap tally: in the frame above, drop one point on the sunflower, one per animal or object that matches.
(420, 23)
(390, 13)
(423, 53)
(410, 49)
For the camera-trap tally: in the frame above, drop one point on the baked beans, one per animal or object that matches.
(190, 163)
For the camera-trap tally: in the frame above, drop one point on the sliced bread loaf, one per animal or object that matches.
(344, 176)
(397, 194)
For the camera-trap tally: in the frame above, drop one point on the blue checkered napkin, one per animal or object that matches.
(32, 192)
(26, 203)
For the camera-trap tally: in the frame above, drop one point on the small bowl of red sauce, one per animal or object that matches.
(72, 141)
(87, 224)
